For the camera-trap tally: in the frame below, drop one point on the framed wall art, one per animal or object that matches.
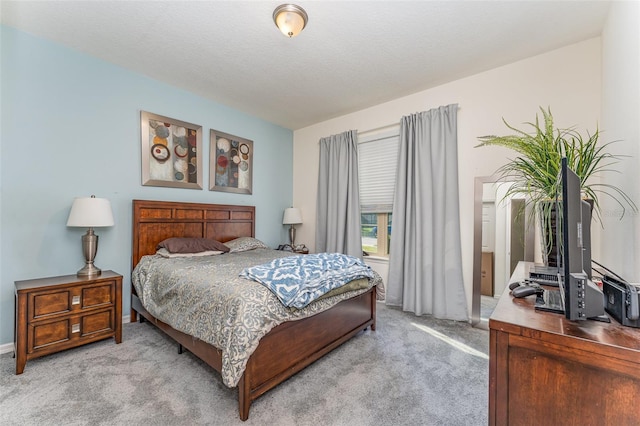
(171, 152)
(230, 163)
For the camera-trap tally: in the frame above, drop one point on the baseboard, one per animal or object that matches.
(8, 347)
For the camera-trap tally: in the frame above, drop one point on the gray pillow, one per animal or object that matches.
(244, 244)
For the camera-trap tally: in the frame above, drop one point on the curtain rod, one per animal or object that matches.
(377, 129)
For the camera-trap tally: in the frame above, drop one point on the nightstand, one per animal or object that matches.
(58, 313)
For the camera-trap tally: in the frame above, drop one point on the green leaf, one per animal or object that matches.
(539, 152)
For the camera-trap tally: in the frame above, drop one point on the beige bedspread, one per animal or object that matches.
(205, 298)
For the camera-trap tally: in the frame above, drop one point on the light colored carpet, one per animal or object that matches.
(411, 371)
(487, 306)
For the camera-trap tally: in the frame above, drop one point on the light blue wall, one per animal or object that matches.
(70, 127)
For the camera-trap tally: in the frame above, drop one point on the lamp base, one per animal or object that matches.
(292, 235)
(89, 270)
(89, 249)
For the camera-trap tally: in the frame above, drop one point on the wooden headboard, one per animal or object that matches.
(154, 221)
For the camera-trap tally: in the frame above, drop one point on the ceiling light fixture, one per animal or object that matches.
(290, 19)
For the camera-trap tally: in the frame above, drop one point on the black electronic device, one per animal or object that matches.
(550, 301)
(514, 285)
(545, 275)
(299, 249)
(526, 282)
(622, 301)
(581, 298)
(548, 275)
(526, 290)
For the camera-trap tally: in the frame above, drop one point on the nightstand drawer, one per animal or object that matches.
(50, 303)
(98, 295)
(48, 334)
(45, 304)
(100, 322)
(45, 334)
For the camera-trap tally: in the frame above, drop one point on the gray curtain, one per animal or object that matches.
(425, 264)
(338, 206)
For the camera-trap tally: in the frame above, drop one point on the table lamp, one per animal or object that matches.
(292, 216)
(89, 213)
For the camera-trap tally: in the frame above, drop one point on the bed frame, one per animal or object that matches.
(286, 349)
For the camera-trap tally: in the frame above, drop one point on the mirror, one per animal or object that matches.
(501, 239)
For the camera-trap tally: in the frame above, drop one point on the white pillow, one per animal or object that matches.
(165, 253)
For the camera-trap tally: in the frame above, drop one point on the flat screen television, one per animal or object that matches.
(580, 298)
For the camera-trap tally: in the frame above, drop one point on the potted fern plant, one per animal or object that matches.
(534, 171)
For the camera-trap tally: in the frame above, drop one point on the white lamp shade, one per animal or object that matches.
(90, 212)
(292, 216)
(290, 19)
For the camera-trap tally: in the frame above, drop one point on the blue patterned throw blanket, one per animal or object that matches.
(299, 280)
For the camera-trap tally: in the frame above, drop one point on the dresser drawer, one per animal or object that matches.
(47, 303)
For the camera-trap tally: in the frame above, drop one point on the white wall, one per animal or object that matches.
(620, 246)
(381, 266)
(568, 80)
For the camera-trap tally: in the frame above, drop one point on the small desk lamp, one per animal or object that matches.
(89, 213)
(292, 216)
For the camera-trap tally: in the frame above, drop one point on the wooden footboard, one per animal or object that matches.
(294, 345)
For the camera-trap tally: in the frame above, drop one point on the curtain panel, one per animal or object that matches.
(425, 264)
(338, 203)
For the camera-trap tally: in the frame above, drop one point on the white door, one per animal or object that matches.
(488, 226)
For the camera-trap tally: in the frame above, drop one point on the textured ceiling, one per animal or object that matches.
(352, 54)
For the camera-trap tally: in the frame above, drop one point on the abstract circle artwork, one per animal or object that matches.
(230, 163)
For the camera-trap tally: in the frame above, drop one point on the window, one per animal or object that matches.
(376, 233)
(377, 158)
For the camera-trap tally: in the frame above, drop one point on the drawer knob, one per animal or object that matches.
(75, 328)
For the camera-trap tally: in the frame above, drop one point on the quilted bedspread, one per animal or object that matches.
(299, 280)
(206, 298)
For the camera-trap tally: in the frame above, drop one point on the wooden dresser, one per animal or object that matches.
(547, 370)
(57, 313)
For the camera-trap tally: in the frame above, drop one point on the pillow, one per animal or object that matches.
(164, 253)
(244, 244)
(191, 245)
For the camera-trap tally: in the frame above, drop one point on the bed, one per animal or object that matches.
(285, 349)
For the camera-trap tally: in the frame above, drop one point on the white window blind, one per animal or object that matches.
(377, 162)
